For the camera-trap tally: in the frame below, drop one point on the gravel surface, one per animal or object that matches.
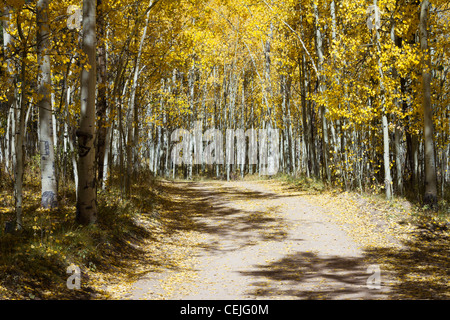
(258, 240)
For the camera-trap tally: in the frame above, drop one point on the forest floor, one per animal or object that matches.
(244, 239)
(268, 239)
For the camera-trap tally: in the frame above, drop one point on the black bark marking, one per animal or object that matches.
(49, 200)
(83, 139)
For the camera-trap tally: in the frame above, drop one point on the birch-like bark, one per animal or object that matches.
(322, 88)
(268, 93)
(430, 196)
(384, 119)
(305, 131)
(86, 202)
(19, 142)
(10, 127)
(19, 131)
(132, 111)
(48, 177)
(70, 134)
(291, 140)
(102, 101)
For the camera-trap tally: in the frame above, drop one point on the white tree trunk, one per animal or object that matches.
(385, 124)
(68, 133)
(10, 153)
(104, 176)
(86, 202)
(430, 163)
(48, 177)
(132, 145)
(19, 146)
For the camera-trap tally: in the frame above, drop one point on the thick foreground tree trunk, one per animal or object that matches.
(86, 201)
(48, 177)
(430, 196)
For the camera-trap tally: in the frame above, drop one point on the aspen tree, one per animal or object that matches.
(86, 201)
(48, 179)
(430, 196)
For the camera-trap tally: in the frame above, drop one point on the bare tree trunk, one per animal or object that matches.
(306, 138)
(48, 177)
(102, 102)
(191, 89)
(9, 136)
(87, 202)
(19, 131)
(70, 134)
(107, 150)
(385, 124)
(133, 126)
(322, 88)
(121, 137)
(19, 145)
(398, 164)
(268, 92)
(398, 135)
(430, 196)
(10, 127)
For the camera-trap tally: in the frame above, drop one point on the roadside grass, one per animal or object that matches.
(440, 216)
(34, 260)
(409, 241)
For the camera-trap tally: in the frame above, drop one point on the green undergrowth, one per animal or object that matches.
(34, 260)
(302, 183)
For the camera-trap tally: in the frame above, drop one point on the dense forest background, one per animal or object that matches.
(91, 92)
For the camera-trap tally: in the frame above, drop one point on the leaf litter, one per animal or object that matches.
(226, 252)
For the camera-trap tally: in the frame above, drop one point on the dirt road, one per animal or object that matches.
(257, 240)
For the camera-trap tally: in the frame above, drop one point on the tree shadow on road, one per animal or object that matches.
(420, 271)
(209, 211)
(306, 275)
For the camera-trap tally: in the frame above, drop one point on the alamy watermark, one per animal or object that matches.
(74, 280)
(196, 147)
(374, 19)
(75, 17)
(374, 280)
